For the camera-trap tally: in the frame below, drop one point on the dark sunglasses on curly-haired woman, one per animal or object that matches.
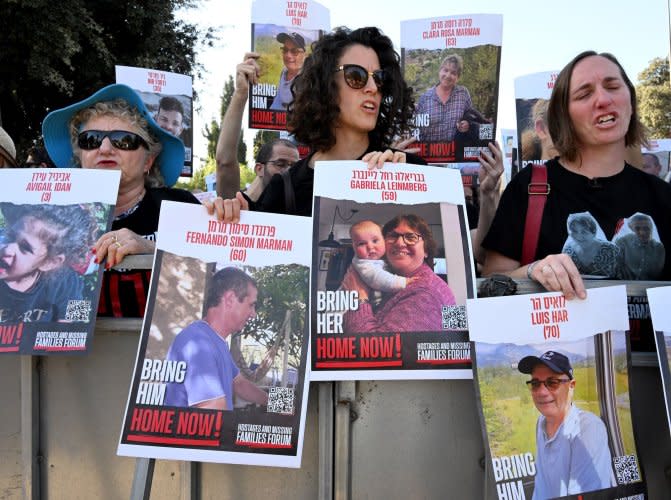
(357, 76)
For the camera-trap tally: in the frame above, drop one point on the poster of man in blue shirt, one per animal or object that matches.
(212, 378)
(572, 453)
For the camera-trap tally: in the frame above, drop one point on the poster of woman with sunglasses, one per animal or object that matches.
(553, 390)
(453, 63)
(392, 270)
(282, 33)
(49, 277)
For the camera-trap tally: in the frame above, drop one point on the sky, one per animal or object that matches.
(537, 36)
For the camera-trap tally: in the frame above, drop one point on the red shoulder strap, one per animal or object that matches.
(538, 192)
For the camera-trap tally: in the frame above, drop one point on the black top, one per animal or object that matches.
(609, 200)
(124, 294)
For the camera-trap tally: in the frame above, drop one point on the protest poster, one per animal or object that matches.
(659, 300)
(416, 328)
(452, 63)
(282, 33)
(656, 160)
(552, 382)
(49, 280)
(220, 374)
(169, 98)
(509, 145)
(532, 96)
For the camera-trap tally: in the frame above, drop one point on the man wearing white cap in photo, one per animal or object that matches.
(293, 55)
(572, 453)
(7, 150)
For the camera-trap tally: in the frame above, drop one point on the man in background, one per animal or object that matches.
(273, 157)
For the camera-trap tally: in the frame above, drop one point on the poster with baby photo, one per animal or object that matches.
(392, 269)
(452, 63)
(50, 280)
(532, 96)
(659, 300)
(552, 383)
(656, 158)
(169, 98)
(220, 374)
(282, 35)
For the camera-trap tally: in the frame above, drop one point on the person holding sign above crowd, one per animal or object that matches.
(272, 158)
(350, 102)
(112, 129)
(592, 119)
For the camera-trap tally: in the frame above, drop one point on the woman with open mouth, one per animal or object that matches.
(592, 119)
(350, 102)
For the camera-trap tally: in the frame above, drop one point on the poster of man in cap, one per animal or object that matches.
(282, 33)
(553, 393)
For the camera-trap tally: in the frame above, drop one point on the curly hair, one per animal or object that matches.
(120, 109)
(70, 230)
(562, 130)
(418, 224)
(314, 111)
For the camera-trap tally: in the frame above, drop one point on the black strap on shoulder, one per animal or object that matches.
(289, 194)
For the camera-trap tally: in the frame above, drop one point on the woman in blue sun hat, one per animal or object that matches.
(112, 129)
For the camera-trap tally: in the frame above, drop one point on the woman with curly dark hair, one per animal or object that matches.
(350, 101)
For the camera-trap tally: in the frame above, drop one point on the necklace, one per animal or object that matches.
(133, 208)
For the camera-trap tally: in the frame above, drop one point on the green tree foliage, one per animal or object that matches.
(654, 98)
(281, 288)
(212, 131)
(197, 182)
(56, 53)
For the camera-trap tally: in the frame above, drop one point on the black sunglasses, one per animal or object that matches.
(120, 139)
(357, 76)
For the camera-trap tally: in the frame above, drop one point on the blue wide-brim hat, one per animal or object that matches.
(56, 131)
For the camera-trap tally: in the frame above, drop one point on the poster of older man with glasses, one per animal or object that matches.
(282, 33)
(553, 386)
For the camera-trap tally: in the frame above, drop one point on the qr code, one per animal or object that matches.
(626, 469)
(78, 310)
(454, 318)
(486, 131)
(281, 400)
